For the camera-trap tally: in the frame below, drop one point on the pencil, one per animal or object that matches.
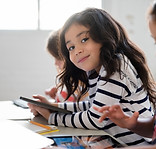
(41, 125)
(46, 132)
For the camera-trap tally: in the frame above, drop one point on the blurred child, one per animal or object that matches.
(53, 48)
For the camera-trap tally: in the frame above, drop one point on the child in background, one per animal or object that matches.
(144, 127)
(53, 48)
(98, 52)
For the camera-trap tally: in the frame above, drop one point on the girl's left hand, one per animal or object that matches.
(116, 115)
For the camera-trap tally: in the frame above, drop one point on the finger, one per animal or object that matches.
(101, 109)
(135, 115)
(51, 90)
(37, 110)
(104, 115)
(104, 108)
(95, 108)
(31, 106)
(46, 92)
(115, 107)
(44, 112)
(35, 113)
(54, 89)
(41, 98)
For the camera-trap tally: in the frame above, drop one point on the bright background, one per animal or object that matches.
(26, 68)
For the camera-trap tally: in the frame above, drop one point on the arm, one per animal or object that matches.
(143, 127)
(103, 93)
(72, 106)
(106, 93)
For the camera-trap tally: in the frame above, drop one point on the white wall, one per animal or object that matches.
(26, 68)
(132, 15)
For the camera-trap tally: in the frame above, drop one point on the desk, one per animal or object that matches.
(67, 131)
(63, 131)
(10, 111)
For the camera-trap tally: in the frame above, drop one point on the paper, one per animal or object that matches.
(15, 136)
(10, 111)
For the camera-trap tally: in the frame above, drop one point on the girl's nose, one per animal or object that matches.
(78, 50)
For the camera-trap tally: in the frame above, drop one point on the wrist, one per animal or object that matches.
(47, 115)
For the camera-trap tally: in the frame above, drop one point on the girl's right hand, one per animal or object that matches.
(116, 115)
(38, 110)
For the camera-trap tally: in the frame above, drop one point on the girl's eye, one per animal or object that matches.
(84, 40)
(71, 48)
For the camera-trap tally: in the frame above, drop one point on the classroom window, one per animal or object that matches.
(54, 13)
(40, 14)
(18, 14)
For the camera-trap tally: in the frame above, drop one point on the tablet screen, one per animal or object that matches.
(85, 142)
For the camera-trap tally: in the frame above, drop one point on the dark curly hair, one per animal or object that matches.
(107, 31)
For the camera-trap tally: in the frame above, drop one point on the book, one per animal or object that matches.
(45, 105)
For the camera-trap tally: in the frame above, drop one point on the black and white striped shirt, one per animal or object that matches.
(124, 90)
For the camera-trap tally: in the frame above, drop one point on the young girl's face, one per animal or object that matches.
(84, 52)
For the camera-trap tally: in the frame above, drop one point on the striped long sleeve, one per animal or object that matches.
(125, 90)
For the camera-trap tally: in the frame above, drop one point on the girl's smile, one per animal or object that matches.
(83, 59)
(84, 52)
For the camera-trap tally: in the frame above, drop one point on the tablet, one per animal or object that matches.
(46, 106)
(86, 142)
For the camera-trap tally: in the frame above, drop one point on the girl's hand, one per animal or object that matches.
(41, 99)
(38, 110)
(51, 92)
(116, 115)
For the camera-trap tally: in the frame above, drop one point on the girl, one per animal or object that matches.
(144, 127)
(98, 53)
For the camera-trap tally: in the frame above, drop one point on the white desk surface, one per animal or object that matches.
(63, 131)
(12, 112)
